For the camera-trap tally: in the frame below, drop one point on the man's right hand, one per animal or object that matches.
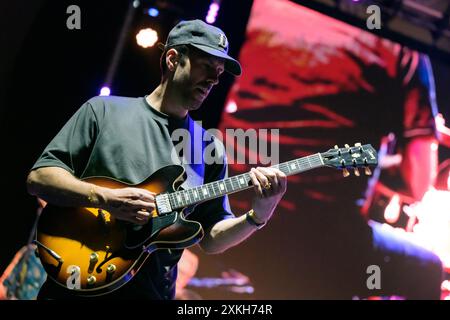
(130, 204)
(59, 187)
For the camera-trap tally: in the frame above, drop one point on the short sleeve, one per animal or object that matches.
(71, 147)
(419, 103)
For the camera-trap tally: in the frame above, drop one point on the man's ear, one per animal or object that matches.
(172, 59)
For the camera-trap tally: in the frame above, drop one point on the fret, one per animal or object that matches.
(183, 198)
(194, 191)
(210, 189)
(191, 196)
(318, 160)
(283, 168)
(228, 185)
(298, 162)
(240, 181)
(247, 179)
(205, 191)
(198, 193)
(216, 188)
(172, 201)
(235, 183)
(186, 197)
(292, 166)
(286, 170)
(309, 162)
(303, 164)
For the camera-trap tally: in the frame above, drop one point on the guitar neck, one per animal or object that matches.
(216, 189)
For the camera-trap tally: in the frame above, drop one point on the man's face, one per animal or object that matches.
(194, 79)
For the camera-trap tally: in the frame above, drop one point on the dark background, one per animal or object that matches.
(48, 71)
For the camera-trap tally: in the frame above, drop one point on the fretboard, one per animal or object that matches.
(216, 189)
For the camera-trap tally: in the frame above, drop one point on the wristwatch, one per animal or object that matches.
(250, 217)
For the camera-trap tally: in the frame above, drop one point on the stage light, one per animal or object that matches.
(105, 91)
(212, 12)
(153, 12)
(231, 107)
(147, 37)
(393, 209)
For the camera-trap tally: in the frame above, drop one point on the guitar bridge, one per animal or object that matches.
(163, 204)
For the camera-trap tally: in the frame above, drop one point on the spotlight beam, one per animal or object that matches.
(117, 54)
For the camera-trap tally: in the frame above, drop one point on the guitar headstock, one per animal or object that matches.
(359, 156)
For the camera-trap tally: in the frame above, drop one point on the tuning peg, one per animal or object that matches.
(356, 171)
(367, 171)
(358, 145)
(345, 172)
(347, 146)
(336, 147)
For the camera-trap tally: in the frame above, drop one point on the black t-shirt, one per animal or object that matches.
(126, 139)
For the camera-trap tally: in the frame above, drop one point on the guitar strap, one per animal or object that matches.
(192, 160)
(195, 149)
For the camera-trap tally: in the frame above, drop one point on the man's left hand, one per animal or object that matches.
(270, 185)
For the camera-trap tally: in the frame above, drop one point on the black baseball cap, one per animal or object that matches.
(206, 38)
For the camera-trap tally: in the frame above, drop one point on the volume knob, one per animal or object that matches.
(111, 268)
(93, 257)
(91, 279)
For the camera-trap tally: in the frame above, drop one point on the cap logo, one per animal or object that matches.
(223, 42)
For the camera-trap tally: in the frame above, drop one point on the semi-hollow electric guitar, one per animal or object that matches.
(92, 253)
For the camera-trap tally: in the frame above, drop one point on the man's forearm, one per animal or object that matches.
(270, 185)
(226, 234)
(60, 187)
